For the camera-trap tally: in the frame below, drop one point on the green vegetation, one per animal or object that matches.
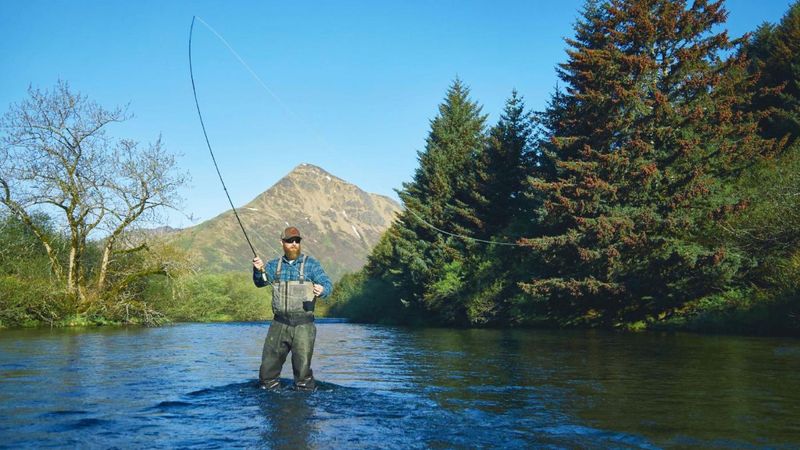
(30, 295)
(63, 180)
(659, 189)
(207, 297)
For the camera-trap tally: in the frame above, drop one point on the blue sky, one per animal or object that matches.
(356, 83)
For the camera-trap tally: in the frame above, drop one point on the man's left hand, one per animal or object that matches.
(318, 288)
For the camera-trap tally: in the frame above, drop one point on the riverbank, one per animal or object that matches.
(734, 322)
(225, 299)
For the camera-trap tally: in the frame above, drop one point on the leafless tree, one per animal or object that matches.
(56, 157)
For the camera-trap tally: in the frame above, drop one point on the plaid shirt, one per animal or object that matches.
(290, 271)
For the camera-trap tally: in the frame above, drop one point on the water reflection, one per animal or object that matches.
(671, 389)
(288, 417)
(195, 386)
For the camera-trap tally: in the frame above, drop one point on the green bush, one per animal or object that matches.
(28, 302)
(211, 297)
(364, 299)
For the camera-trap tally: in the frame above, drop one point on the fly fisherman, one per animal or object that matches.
(297, 280)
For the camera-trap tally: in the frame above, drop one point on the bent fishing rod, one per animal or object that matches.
(210, 151)
(292, 113)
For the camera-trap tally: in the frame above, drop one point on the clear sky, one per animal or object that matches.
(355, 83)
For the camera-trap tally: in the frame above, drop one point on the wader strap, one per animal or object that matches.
(303, 269)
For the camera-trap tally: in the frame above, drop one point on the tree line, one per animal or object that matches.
(659, 188)
(75, 207)
(150, 285)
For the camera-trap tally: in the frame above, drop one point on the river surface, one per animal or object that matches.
(194, 385)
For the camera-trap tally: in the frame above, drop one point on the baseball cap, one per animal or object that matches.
(290, 232)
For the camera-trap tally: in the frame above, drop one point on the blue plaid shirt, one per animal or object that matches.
(290, 271)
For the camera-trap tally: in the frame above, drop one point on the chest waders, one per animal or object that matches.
(292, 330)
(293, 301)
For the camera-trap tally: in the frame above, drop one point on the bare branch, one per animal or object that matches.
(56, 156)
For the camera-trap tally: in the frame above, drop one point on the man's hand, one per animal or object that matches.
(258, 264)
(318, 288)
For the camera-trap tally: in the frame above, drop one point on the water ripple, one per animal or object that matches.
(194, 385)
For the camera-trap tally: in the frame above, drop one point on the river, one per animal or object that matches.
(194, 385)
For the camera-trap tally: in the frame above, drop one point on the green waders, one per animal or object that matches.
(292, 330)
(281, 339)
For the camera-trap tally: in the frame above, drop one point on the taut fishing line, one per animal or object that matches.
(261, 82)
(287, 109)
(484, 241)
(208, 143)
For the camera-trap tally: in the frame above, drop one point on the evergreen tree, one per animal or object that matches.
(507, 163)
(774, 54)
(639, 148)
(768, 231)
(427, 267)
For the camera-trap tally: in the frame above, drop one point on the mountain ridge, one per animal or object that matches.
(340, 224)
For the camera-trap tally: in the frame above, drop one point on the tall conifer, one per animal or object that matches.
(507, 163)
(774, 54)
(640, 145)
(426, 266)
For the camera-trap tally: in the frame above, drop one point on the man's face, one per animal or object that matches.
(291, 248)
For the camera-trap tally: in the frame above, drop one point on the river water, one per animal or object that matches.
(194, 385)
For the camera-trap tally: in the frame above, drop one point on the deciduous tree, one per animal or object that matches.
(58, 158)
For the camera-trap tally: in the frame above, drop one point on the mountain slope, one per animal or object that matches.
(339, 222)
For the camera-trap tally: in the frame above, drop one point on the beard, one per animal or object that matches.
(292, 253)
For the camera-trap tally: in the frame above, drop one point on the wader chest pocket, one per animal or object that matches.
(292, 296)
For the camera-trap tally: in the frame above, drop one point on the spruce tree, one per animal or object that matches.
(768, 231)
(774, 55)
(426, 267)
(507, 162)
(639, 148)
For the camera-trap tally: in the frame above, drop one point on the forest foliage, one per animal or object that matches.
(75, 204)
(659, 188)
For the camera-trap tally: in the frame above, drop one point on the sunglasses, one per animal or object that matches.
(294, 240)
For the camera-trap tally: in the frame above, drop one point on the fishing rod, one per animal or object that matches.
(210, 151)
(297, 117)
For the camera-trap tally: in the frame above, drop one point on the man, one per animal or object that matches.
(297, 281)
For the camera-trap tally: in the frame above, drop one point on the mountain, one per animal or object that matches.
(339, 223)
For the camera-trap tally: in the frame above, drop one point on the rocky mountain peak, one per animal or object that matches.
(305, 169)
(340, 223)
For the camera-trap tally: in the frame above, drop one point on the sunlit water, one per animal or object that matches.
(194, 385)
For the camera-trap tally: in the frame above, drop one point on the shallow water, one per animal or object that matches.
(194, 385)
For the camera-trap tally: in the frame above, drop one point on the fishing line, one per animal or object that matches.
(261, 82)
(288, 110)
(484, 241)
(208, 143)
